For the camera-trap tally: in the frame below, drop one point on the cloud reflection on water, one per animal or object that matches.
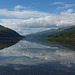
(28, 53)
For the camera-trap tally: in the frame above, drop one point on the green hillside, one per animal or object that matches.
(65, 35)
(6, 32)
(64, 38)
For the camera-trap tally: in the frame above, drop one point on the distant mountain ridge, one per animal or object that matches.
(52, 32)
(7, 33)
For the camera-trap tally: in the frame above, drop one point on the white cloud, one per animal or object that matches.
(22, 13)
(37, 19)
(58, 3)
(47, 21)
(20, 25)
(69, 11)
(18, 7)
(66, 6)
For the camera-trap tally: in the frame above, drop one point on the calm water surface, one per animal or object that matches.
(36, 58)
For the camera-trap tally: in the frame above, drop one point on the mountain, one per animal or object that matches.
(64, 35)
(66, 32)
(8, 33)
(44, 34)
(63, 38)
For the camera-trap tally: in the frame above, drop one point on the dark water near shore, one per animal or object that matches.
(36, 57)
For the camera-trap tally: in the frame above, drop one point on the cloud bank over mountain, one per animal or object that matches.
(21, 19)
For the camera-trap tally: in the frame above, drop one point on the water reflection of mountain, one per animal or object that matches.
(44, 41)
(7, 43)
(28, 53)
(33, 56)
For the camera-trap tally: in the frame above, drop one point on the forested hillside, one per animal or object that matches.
(63, 38)
(6, 32)
(65, 35)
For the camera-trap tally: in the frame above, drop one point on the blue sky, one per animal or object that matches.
(40, 5)
(36, 14)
